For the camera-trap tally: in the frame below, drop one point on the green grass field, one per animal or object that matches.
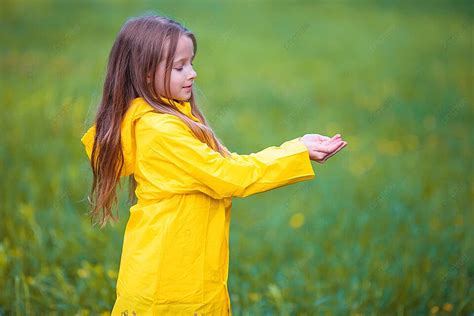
(386, 228)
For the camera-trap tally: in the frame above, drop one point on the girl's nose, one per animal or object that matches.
(193, 74)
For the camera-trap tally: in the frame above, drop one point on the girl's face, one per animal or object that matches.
(182, 72)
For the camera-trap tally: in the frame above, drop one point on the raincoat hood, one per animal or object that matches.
(138, 107)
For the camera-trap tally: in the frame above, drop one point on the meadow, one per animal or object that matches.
(385, 228)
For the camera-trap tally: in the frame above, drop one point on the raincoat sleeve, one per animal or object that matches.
(223, 177)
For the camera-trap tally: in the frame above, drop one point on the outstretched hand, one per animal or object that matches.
(321, 148)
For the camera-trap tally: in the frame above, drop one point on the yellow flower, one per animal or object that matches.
(17, 252)
(26, 210)
(434, 309)
(30, 280)
(448, 307)
(254, 296)
(98, 269)
(111, 274)
(297, 220)
(83, 273)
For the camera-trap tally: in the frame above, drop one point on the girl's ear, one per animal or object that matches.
(148, 78)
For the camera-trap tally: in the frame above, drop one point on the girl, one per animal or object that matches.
(148, 127)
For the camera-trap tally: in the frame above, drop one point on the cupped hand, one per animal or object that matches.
(321, 148)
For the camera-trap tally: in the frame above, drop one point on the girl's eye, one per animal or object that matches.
(181, 68)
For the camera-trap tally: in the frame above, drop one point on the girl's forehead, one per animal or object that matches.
(184, 49)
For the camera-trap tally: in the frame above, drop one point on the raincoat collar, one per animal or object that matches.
(183, 106)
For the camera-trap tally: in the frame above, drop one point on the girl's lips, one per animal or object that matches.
(188, 87)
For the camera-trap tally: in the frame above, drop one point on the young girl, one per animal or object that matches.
(175, 253)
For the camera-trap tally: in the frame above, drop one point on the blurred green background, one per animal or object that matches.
(386, 228)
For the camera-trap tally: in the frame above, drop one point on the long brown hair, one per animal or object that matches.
(142, 43)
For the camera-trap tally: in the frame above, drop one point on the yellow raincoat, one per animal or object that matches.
(175, 254)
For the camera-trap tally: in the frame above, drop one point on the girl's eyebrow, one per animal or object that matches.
(184, 58)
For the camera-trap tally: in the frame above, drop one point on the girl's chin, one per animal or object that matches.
(185, 99)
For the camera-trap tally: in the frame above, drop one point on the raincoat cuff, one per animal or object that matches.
(297, 147)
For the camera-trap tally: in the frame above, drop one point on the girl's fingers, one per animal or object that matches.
(335, 138)
(336, 151)
(322, 138)
(331, 141)
(328, 148)
(325, 139)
